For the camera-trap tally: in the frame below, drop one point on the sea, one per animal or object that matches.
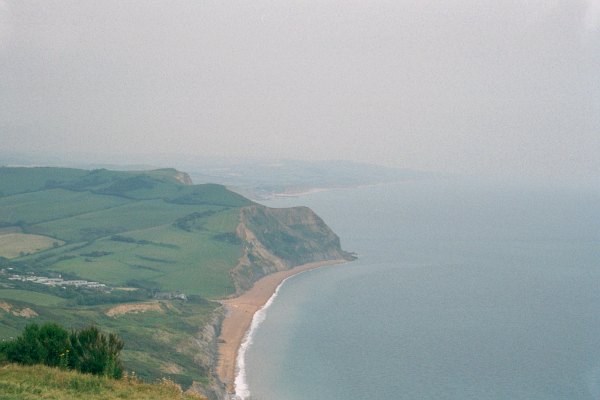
(463, 289)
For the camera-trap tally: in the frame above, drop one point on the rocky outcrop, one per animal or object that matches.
(184, 178)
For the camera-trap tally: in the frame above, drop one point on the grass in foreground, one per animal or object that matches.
(41, 382)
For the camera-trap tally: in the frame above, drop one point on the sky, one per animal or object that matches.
(503, 87)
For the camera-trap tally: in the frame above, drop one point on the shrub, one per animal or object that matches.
(96, 353)
(87, 350)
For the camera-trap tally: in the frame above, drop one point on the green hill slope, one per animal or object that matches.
(123, 226)
(144, 254)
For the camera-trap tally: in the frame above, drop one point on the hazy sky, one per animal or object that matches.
(503, 86)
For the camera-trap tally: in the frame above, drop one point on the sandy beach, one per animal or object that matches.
(240, 311)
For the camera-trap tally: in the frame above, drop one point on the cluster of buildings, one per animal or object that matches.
(170, 296)
(43, 280)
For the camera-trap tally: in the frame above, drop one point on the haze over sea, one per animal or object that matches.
(463, 290)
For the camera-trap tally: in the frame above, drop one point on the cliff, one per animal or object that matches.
(277, 239)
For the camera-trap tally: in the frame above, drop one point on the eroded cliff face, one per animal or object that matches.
(207, 357)
(276, 239)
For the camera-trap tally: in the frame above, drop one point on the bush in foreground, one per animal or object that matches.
(87, 350)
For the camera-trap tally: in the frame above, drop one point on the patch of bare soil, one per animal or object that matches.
(24, 312)
(134, 308)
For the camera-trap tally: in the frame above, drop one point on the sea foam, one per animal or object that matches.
(242, 392)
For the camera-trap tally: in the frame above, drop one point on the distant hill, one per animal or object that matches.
(142, 253)
(263, 180)
(256, 179)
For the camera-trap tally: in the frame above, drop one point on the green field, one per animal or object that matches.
(18, 244)
(57, 204)
(121, 226)
(27, 296)
(133, 216)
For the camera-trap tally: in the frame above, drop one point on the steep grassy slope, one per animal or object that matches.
(150, 245)
(40, 382)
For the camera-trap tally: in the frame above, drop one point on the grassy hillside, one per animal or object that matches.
(143, 254)
(148, 236)
(41, 382)
(117, 227)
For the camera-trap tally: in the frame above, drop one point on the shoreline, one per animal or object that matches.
(239, 314)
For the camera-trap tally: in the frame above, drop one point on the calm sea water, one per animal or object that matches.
(462, 291)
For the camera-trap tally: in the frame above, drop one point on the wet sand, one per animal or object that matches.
(240, 311)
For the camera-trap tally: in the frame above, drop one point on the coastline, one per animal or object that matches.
(240, 312)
